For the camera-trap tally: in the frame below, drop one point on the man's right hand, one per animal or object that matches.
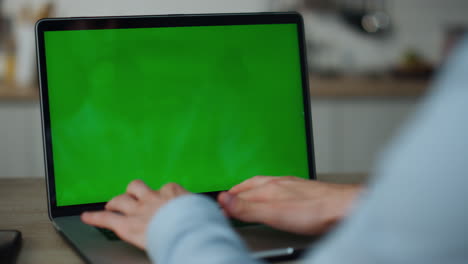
(289, 203)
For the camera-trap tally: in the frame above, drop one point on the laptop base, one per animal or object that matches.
(95, 247)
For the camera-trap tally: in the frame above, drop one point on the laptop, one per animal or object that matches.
(205, 101)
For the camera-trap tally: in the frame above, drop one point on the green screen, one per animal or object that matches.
(205, 107)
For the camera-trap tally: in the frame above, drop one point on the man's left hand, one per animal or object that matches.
(129, 214)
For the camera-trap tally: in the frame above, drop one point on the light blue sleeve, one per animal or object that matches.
(192, 229)
(415, 211)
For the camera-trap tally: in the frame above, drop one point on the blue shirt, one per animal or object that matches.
(414, 211)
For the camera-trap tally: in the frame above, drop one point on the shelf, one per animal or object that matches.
(14, 93)
(343, 87)
(349, 87)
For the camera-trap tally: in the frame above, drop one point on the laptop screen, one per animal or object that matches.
(203, 106)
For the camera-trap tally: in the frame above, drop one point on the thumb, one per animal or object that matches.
(246, 210)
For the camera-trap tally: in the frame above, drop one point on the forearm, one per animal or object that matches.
(192, 229)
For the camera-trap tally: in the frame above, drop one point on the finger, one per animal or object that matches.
(138, 189)
(260, 194)
(251, 183)
(172, 190)
(248, 211)
(221, 201)
(277, 189)
(103, 219)
(224, 199)
(124, 203)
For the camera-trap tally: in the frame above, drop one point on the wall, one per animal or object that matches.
(416, 24)
(350, 134)
(421, 23)
(142, 7)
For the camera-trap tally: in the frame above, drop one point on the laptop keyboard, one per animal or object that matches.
(237, 223)
(108, 234)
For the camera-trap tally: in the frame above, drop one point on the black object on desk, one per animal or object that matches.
(10, 245)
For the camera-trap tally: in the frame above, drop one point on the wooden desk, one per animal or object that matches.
(23, 207)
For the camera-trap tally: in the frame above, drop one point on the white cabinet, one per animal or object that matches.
(20, 140)
(349, 133)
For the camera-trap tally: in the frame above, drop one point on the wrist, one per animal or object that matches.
(340, 204)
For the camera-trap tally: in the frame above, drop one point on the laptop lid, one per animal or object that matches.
(205, 101)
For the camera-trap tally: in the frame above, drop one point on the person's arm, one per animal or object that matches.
(192, 229)
(175, 226)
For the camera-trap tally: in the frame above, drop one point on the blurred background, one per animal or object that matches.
(370, 62)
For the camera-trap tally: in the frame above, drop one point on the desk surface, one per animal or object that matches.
(23, 207)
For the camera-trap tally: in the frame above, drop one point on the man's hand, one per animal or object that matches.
(129, 214)
(289, 203)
